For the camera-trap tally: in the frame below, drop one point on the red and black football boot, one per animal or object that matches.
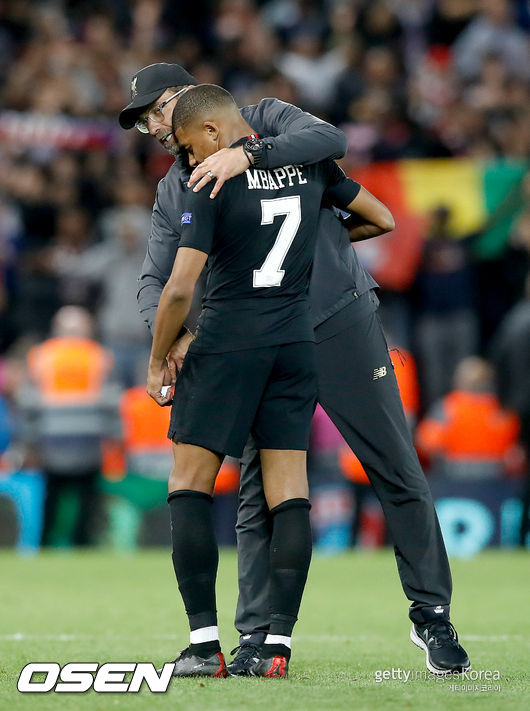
(272, 666)
(189, 664)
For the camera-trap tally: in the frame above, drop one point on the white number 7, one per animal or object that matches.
(271, 273)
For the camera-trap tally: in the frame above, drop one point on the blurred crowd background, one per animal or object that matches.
(408, 81)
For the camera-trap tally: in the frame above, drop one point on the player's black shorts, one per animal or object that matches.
(221, 397)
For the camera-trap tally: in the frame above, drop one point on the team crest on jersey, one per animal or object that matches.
(186, 218)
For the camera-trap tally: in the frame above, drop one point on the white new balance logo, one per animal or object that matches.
(379, 372)
(438, 610)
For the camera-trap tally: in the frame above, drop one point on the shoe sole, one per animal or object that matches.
(193, 675)
(269, 676)
(221, 674)
(199, 676)
(419, 642)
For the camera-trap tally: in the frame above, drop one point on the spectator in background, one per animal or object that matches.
(511, 354)
(448, 19)
(350, 83)
(10, 236)
(467, 434)
(34, 293)
(490, 91)
(432, 87)
(63, 181)
(313, 70)
(113, 265)
(136, 480)
(517, 258)
(69, 411)
(493, 30)
(21, 482)
(509, 269)
(72, 238)
(135, 476)
(14, 455)
(447, 328)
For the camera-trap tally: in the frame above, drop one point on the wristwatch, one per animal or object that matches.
(254, 147)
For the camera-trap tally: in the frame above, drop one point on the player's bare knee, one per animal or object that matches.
(189, 477)
(280, 489)
(277, 497)
(284, 475)
(193, 468)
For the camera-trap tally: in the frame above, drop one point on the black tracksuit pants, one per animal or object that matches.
(370, 417)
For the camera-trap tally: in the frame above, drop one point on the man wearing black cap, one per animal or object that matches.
(357, 387)
(154, 91)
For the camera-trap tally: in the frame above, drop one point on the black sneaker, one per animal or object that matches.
(247, 655)
(189, 664)
(443, 653)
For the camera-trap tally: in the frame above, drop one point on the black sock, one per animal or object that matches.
(205, 649)
(290, 555)
(195, 555)
(276, 650)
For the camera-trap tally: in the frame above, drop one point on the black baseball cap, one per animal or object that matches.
(148, 84)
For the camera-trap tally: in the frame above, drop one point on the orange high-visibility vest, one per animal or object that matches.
(69, 370)
(145, 427)
(475, 427)
(145, 424)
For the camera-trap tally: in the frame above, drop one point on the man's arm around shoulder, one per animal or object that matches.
(293, 136)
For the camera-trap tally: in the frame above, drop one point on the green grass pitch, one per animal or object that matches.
(100, 606)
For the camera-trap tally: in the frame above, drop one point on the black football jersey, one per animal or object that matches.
(259, 233)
